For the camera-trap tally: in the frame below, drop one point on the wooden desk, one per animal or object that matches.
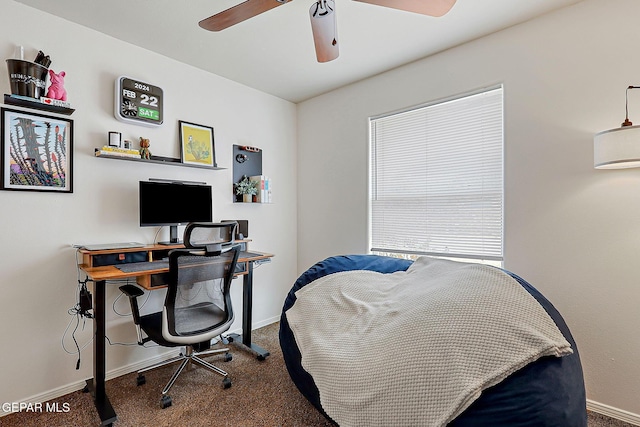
(100, 266)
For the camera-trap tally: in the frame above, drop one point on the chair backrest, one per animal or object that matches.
(210, 236)
(198, 304)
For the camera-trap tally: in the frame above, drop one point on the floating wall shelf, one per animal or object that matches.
(157, 160)
(36, 105)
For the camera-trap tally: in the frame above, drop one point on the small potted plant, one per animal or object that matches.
(246, 188)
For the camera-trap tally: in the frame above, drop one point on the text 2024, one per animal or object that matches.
(141, 86)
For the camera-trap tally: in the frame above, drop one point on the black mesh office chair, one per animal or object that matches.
(197, 306)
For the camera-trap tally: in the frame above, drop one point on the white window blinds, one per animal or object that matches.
(437, 179)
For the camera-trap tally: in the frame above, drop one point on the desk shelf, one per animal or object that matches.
(155, 159)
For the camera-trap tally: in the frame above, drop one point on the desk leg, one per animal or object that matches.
(247, 308)
(96, 385)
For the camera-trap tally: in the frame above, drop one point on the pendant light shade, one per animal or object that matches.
(323, 26)
(617, 148)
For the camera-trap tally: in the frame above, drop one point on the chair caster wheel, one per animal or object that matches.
(261, 358)
(228, 357)
(165, 402)
(141, 380)
(226, 383)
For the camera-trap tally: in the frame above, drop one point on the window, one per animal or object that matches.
(436, 179)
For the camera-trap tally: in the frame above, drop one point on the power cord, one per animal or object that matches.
(85, 302)
(137, 344)
(81, 310)
(155, 238)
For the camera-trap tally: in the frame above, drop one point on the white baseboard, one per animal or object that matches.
(257, 325)
(123, 370)
(612, 412)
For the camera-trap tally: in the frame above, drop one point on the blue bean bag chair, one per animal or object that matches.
(547, 392)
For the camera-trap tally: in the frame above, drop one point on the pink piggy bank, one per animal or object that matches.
(56, 89)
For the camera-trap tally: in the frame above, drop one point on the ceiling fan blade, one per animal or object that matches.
(241, 12)
(424, 7)
(323, 27)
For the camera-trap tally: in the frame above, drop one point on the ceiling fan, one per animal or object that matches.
(323, 18)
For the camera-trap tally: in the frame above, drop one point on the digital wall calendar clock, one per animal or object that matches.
(138, 102)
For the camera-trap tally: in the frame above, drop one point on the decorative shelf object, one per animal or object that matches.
(23, 101)
(155, 159)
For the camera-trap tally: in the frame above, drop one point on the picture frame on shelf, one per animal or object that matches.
(197, 144)
(37, 152)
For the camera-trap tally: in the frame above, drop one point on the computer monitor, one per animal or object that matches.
(174, 203)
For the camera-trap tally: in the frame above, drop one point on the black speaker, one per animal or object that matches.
(243, 228)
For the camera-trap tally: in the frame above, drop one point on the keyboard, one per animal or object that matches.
(133, 267)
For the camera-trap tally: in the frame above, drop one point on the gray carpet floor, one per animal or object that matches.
(597, 420)
(262, 395)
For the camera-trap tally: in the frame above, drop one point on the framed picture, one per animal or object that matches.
(37, 152)
(196, 144)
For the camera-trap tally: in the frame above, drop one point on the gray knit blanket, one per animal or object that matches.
(417, 347)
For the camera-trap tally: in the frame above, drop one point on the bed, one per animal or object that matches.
(545, 390)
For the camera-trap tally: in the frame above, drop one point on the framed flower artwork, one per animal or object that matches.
(196, 145)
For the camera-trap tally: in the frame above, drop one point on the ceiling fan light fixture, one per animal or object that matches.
(324, 29)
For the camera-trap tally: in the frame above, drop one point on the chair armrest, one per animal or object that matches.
(133, 292)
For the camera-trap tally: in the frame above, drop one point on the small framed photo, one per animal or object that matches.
(37, 152)
(196, 145)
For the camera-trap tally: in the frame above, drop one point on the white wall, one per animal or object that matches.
(572, 231)
(38, 277)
